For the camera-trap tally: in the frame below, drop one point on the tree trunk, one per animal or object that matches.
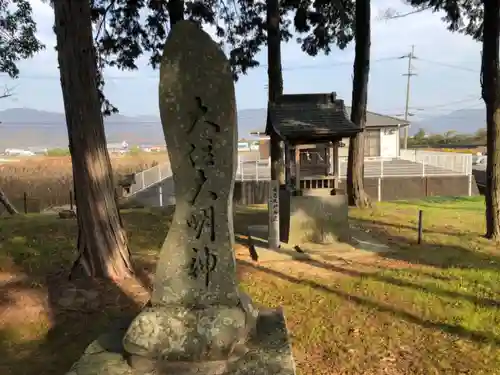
(102, 241)
(355, 164)
(175, 11)
(275, 85)
(491, 96)
(6, 203)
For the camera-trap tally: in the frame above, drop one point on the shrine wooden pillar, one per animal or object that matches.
(297, 169)
(336, 166)
(288, 165)
(330, 159)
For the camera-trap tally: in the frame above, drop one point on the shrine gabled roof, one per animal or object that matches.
(310, 117)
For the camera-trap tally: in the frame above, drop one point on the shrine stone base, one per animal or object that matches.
(319, 219)
(269, 353)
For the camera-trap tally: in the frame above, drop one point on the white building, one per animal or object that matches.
(18, 152)
(382, 135)
(118, 148)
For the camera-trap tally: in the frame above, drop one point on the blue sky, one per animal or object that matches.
(447, 67)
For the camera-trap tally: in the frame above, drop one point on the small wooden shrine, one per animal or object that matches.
(311, 127)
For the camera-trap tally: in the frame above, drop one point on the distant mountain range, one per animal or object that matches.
(463, 121)
(25, 127)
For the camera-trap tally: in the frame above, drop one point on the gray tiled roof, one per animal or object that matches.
(376, 120)
(255, 120)
(305, 120)
(311, 116)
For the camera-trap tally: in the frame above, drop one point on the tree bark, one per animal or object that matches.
(355, 164)
(6, 203)
(491, 96)
(275, 85)
(175, 11)
(102, 241)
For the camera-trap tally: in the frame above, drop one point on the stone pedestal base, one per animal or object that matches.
(269, 353)
(319, 219)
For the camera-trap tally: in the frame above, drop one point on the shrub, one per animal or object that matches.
(58, 152)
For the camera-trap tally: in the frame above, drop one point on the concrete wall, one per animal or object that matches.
(391, 188)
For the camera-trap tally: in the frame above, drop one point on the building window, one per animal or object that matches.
(372, 143)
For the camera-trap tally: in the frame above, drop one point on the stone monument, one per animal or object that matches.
(197, 321)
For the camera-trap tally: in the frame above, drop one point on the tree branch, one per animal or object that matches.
(7, 92)
(391, 14)
(103, 20)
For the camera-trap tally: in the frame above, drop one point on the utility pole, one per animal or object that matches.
(409, 74)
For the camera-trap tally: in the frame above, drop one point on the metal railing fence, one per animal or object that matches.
(410, 163)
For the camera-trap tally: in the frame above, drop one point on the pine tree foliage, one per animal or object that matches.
(18, 39)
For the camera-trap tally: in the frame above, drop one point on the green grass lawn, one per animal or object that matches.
(421, 309)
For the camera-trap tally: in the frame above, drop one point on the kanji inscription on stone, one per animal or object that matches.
(201, 220)
(202, 264)
(200, 124)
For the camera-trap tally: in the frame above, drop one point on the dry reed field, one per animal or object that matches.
(47, 181)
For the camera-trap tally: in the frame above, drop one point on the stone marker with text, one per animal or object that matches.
(197, 321)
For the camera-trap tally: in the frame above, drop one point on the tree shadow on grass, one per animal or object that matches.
(432, 254)
(371, 224)
(49, 321)
(376, 276)
(65, 318)
(462, 332)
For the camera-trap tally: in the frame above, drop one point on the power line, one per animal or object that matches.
(465, 100)
(469, 99)
(106, 122)
(263, 66)
(451, 66)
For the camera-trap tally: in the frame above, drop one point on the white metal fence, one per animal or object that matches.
(410, 163)
(253, 170)
(451, 161)
(247, 170)
(150, 177)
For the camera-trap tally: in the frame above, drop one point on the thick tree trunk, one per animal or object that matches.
(491, 96)
(275, 85)
(355, 164)
(175, 11)
(102, 241)
(6, 203)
